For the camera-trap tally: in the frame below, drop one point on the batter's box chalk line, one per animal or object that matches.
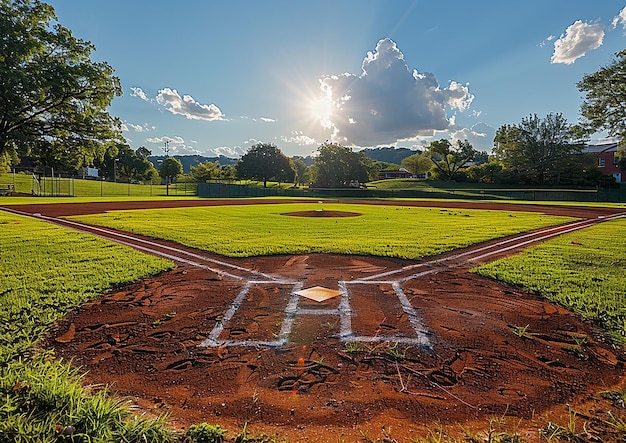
(318, 293)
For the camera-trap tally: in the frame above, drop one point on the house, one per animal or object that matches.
(607, 162)
(395, 173)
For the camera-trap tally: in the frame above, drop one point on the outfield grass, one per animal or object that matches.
(583, 271)
(384, 231)
(45, 272)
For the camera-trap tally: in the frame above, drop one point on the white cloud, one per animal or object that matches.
(619, 19)
(187, 106)
(226, 151)
(579, 38)
(138, 92)
(176, 140)
(388, 102)
(480, 135)
(299, 138)
(176, 145)
(126, 126)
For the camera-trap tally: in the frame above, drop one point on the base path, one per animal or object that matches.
(397, 345)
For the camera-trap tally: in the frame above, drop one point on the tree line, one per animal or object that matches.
(53, 112)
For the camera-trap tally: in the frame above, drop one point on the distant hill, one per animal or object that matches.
(389, 154)
(192, 160)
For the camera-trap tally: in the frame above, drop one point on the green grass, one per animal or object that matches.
(45, 272)
(583, 271)
(385, 231)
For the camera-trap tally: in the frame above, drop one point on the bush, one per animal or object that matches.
(206, 433)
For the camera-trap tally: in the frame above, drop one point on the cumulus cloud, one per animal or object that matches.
(176, 140)
(226, 151)
(480, 135)
(388, 101)
(176, 145)
(299, 138)
(138, 92)
(187, 106)
(579, 38)
(620, 19)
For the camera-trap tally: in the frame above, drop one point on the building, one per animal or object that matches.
(606, 159)
(396, 173)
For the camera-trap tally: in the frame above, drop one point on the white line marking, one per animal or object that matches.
(345, 312)
(212, 340)
(290, 313)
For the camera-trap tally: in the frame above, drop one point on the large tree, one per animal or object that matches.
(263, 162)
(417, 164)
(302, 176)
(134, 165)
(337, 166)
(449, 159)
(604, 104)
(53, 97)
(536, 149)
(204, 172)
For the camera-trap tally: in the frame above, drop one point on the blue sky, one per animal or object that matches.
(216, 77)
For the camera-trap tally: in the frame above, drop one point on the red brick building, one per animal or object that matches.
(606, 160)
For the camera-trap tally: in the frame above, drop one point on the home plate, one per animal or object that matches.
(318, 293)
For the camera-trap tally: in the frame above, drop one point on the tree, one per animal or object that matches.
(604, 105)
(447, 158)
(134, 165)
(228, 172)
(372, 167)
(264, 161)
(53, 98)
(169, 170)
(143, 152)
(204, 172)
(302, 176)
(417, 164)
(537, 149)
(485, 172)
(337, 166)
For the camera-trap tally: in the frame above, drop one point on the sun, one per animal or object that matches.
(321, 110)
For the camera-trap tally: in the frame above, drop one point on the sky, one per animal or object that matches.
(212, 77)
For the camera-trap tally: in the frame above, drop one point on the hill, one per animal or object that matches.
(389, 154)
(192, 160)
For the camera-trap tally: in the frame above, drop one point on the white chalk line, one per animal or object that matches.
(574, 226)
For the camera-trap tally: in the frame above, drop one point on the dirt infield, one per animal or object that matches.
(403, 346)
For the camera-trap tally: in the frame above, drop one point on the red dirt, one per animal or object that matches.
(145, 340)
